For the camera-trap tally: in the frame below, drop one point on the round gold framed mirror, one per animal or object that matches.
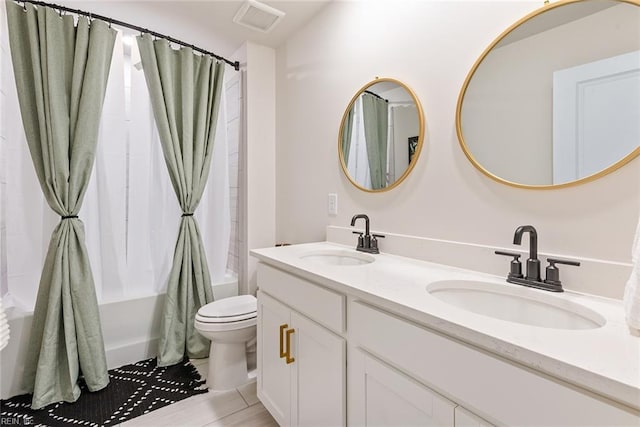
(555, 100)
(381, 135)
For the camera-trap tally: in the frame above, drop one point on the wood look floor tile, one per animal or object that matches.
(195, 411)
(249, 393)
(254, 416)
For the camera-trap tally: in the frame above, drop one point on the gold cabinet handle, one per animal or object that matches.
(282, 328)
(289, 359)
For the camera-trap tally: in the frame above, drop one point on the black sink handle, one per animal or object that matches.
(515, 255)
(515, 267)
(553, 261)
(553, 274)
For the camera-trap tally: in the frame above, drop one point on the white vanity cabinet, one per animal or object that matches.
(497, 390)
(380, 395)
(301, 363)
(465, 418)
(401, 370)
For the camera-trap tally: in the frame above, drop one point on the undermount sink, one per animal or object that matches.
(337, 257)
(515, 303)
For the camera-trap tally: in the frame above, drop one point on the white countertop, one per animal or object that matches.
(605, 360)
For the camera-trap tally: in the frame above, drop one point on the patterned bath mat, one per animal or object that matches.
(133, 390)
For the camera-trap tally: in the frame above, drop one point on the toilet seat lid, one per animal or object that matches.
(230, 309)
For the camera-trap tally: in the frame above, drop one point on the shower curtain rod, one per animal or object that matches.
(234, 64)
(376, 95)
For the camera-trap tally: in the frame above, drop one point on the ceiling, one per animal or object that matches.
(208, 23)
(218, 15)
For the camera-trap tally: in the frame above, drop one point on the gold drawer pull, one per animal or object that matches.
(289, 358)
(282, 328)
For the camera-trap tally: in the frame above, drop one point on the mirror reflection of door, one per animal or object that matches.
(594, 104)
(380, 135)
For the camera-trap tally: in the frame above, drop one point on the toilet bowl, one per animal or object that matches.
(229, 323)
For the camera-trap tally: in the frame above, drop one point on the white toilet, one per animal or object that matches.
(229, 323)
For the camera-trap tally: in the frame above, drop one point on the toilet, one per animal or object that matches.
(230, 324)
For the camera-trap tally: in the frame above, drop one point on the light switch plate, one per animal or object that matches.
(332, 204)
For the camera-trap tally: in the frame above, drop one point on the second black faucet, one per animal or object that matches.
(532, 277)
(533, 263)
(367, 242)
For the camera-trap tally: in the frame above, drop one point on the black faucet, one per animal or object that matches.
(366, 222)
(532, 278)
(367, 243)
(533, 263)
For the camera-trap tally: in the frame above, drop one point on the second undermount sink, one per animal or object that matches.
(337, 257)
(516, 304)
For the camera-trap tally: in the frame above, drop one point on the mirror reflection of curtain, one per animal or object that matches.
(347, 128)
(358, 164)
(375, 117)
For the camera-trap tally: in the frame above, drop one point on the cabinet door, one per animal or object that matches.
(465, 418)
(319, 381)
(382, 396)
(274, 378)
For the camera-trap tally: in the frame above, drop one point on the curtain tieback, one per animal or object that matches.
(187, 214)
(68, 217)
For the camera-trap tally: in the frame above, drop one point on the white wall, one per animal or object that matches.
(431, 46)
(260, 107)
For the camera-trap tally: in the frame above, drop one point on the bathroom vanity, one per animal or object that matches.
(346, 338)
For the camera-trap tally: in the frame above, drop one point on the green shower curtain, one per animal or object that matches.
(376, 124)
(61, 75)
(185, 91)
(347, 129)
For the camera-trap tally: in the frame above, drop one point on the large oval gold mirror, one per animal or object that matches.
(555, 99)
(381, 135)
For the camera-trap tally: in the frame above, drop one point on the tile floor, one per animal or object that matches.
(239, 407)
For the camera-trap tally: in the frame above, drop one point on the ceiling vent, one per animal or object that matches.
(258, 16)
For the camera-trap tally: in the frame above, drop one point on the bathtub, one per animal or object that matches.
(227, 287)
(130, 330)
